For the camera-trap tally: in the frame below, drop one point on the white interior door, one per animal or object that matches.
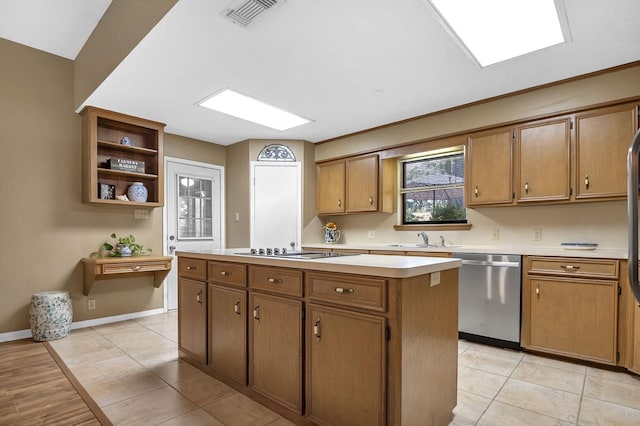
(194, 213)
(276, 204)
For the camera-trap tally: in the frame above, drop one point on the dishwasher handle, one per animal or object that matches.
(491, 263)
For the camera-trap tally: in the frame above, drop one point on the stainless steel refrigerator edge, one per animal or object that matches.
(489, 298)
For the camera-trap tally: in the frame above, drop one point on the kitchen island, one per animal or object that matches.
(349, 340)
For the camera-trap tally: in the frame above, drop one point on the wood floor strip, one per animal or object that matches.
(35, 390)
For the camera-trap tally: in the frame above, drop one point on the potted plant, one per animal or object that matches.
(123, 246)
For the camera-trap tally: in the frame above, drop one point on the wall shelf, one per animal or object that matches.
(103, 268)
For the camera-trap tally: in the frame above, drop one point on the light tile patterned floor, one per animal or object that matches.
(132, 371)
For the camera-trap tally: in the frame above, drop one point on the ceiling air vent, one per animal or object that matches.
(244, 12)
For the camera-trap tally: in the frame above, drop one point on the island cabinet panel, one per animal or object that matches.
(192, 318)
(275, 349)
(228, 332)
(346, 359)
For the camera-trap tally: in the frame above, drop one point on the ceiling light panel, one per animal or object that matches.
(247, 108)
(492, 31)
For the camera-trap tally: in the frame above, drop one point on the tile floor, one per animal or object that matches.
(132, 371)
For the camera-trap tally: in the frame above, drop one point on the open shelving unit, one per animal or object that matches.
(103, 132)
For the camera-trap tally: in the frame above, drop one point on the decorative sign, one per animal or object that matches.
(125, 165)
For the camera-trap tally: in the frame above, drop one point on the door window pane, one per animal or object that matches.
(195, 208)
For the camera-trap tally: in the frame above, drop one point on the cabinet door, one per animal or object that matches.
(362, 184)
(275, 349)
(489, 168)
(346, 358)
(543, 158)
(635, 359)
(602, 141)
(330, 187)
(228, 332)
(574, 317)
(192, 318)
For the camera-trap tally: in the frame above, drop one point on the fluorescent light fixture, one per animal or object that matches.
(496, 30)
(247, 108)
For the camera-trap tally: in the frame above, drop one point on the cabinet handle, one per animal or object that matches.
(344, 290)
(274, 280)
(339, 202)
(526, 187)
(476, 192)
(370, 201)
(199, 297)
(191, 268)
(137, 267)
(236, 308)
(586, 181)
(316, 328)
(225, 273)
(538, 290)
(256, 313)
(569, 267)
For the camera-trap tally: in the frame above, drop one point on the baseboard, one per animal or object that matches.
(26, 334)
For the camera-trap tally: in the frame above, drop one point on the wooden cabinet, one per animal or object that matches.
(227, 319)
(356, 185)
(489, 171)
(119, 150)
(192, 318)
(331, 187)
(346, 358)
(602, 141)
(543, 160)
(275, 349)
(362, 184)
(570, 307)
(228, 332)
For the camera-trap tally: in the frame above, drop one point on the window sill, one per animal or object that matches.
(434, 227)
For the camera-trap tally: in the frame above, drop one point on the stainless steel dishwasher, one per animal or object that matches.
(489, 298)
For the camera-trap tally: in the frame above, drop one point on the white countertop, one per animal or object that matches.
(606, 253)
(363, 264)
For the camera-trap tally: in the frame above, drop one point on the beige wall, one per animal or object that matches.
(604, 223)
(46, 229)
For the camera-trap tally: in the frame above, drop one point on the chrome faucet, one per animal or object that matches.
(424, 236)
(441, 241)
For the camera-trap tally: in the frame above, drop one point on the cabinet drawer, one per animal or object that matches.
(277, 280)
(368, 293)
(123, 268)
(598, 268)
(193, 268)
(227, 273)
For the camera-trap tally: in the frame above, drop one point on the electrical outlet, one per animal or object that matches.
(495, 235)
(141, 214)
(371, 234)
(537, 234)
(91, 304)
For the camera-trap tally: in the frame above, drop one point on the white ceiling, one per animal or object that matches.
(349, 65)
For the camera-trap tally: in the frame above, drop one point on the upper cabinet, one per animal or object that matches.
(118, 151)
(489, 171)
(356, 185)
(543, 160)
(602, 141)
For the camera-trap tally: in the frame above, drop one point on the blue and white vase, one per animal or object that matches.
(331, 235)
(125, 141)
(137, 192)
(125, 251)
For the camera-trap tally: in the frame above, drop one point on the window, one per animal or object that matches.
(433, 188)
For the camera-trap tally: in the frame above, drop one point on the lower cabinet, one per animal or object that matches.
(275, 349)
(566, 312)
(346, 358)
(228, 332)
(192, 318)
